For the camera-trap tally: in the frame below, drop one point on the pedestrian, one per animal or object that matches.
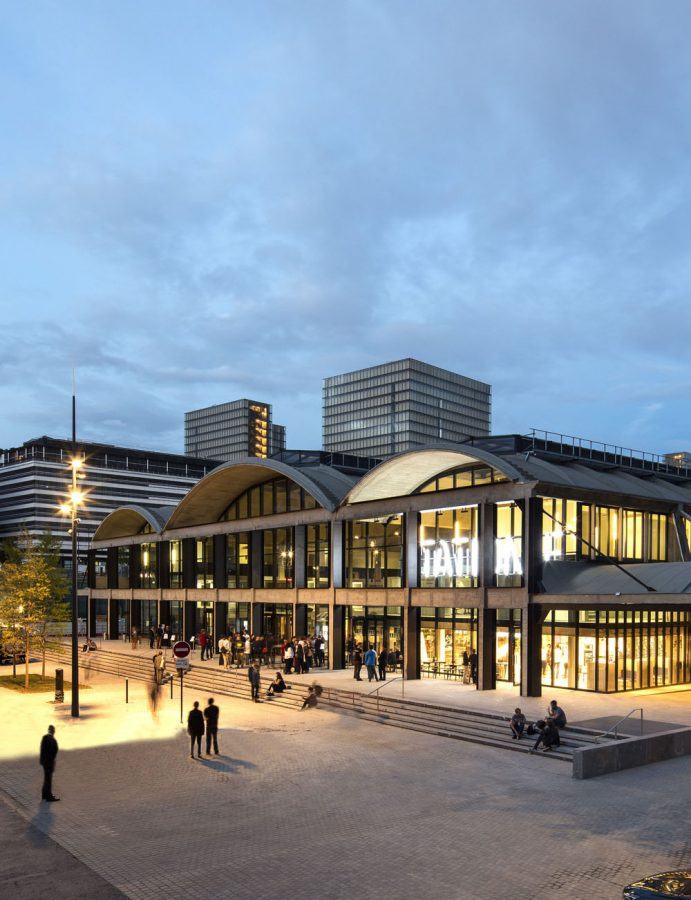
(357, 663)
(472, 662)
(202, 643)
(288, 657)
(135, 638)
(211, 715)
(382, 659)
(255, 680)
(370, 662)
(152, 637)
(195, 729)
(300, 658)
(154, 660)
(160, 668)
(548, 736)
(48, 753)
(517, 724)
(277, 686)
(310, 700)
(159, 637)
(556, 714)
(247, 647)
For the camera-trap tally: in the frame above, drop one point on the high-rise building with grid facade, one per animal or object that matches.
(402, 405)
(230, 430)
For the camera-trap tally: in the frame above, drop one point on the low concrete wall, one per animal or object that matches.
(589, 762)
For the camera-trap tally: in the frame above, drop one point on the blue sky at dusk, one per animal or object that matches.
(204, 201)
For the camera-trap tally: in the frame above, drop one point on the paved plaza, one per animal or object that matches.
(326, 805)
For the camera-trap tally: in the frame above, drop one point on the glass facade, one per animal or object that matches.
(279, 495)
(175, 565)
(508, 545)
(380, 626)
(447, 636)
(318, 621)
(466, 476)
(374, 553)
(123, 567)
(204, 563)
(175, 625)
(508, 649)
(278, 558)
(278, 623)
(448, 548)
(237, 617)
(318, 538)
(616, 650)
(123, 617)
(238, 572)
(148, 573)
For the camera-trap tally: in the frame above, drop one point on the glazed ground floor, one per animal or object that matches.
(608, 649)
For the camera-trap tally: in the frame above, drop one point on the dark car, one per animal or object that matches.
(661, 887)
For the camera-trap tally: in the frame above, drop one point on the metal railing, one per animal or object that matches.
(613, 731)
(386, 684)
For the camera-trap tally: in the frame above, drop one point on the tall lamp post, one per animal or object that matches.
(70, 507)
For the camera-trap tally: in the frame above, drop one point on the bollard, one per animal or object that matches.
(171, 687)
(127, 690)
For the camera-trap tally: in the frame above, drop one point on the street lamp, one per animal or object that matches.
(70, 507)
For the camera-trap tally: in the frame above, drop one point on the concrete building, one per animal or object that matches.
(536, 560)
(232, 430)
(401, 405)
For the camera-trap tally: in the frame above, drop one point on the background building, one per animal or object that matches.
(402, 405)
(231, 430)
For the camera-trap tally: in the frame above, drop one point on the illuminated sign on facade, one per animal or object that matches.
(507, 556)
(458, 557)
(552, 545)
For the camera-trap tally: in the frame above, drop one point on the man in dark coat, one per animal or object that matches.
(49, 750)
(255, 681)
(195, 729)
(357, 663)
(211, 716)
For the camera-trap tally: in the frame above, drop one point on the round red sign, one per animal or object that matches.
(181, 649)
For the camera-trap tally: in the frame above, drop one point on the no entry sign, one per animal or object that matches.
(181, 649)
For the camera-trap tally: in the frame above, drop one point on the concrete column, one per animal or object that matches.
(256, 559)
(337, 532)
(220, 622)
(113, 619)
(112, 567)
(336, 636)
(164, 614)
(135, 615)
(220, 561)
(164, 564)
(487, 650)
(91, 568)
(486, 530)
(532, 618)
(135, 566)
(411, 642)
(257, 618)
(532, 533)
(190, 616)
(299, 557)
(189, 562)
(91, 617)
(412, 529)
(300, 623)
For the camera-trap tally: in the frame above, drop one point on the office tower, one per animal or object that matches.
(401, 405)
(228, 431)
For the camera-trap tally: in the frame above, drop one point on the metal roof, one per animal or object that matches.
(582, 577)
(128, 520)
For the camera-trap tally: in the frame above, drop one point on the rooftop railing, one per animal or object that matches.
(102, 461)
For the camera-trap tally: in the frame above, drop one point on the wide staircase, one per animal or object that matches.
(487, 729)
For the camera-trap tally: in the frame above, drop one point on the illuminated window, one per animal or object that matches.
(374, 552)
(508, 545)
(448, 547)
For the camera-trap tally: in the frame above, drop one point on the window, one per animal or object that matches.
(149, 565)
(374, 552)
(279, 495)
(448, 547)
(238, 560)
(317, 555)
(632, 534)
(467, 476)
(508, 545)
(559, 529)
(278, 558)
(657, 537)
(176, 565)
(123, 567)
(204, 563)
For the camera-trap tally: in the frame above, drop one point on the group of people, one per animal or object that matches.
(546, 730)
(376, 664)
(200, 723)
(299, 655)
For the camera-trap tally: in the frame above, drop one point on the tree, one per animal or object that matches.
(32, 590)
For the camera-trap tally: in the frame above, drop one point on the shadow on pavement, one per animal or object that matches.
(229, 765)
(39, 826)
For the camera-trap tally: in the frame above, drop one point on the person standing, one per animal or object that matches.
(300, 658)
(48, 753)
(255, 680)
(159, 637)
(195, 729)
(152, 637)
(211, 715)
(371, 663)
(472, 662)
(135, 638)
(357, 663)
(382, 660)
(202, 643)
(288, 656)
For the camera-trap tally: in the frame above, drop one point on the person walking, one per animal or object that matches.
(160, 668)
(255, 680)
(47, 755)
(370, 661)
(382, 661)
(211, 715)
(195, 729)
(154, 660)
(357, 663)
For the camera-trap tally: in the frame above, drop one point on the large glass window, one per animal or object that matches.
(374, 553)
(204, 562)
(148, 576)
(123, 567)
(467, 476)
(657, 540)
(448, 547)
(632, 534)
(278, 558)
(378, 626)
(508, 645)
(176, 565)
(559, 528)
(238, 617)
(238, 560)
(508, 545)
(271, 498)
(317, 555)
(447, 637)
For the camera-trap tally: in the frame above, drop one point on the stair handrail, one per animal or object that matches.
(613, 729)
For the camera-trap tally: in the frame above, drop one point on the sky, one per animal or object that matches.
(201, 201)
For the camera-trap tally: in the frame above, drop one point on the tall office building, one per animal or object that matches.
(402, 405)
(230, 430)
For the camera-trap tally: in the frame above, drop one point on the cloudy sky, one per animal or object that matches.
(207, 200)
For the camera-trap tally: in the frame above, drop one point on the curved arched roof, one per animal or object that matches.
(129, 520)
(208, 499)
(403, 474)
